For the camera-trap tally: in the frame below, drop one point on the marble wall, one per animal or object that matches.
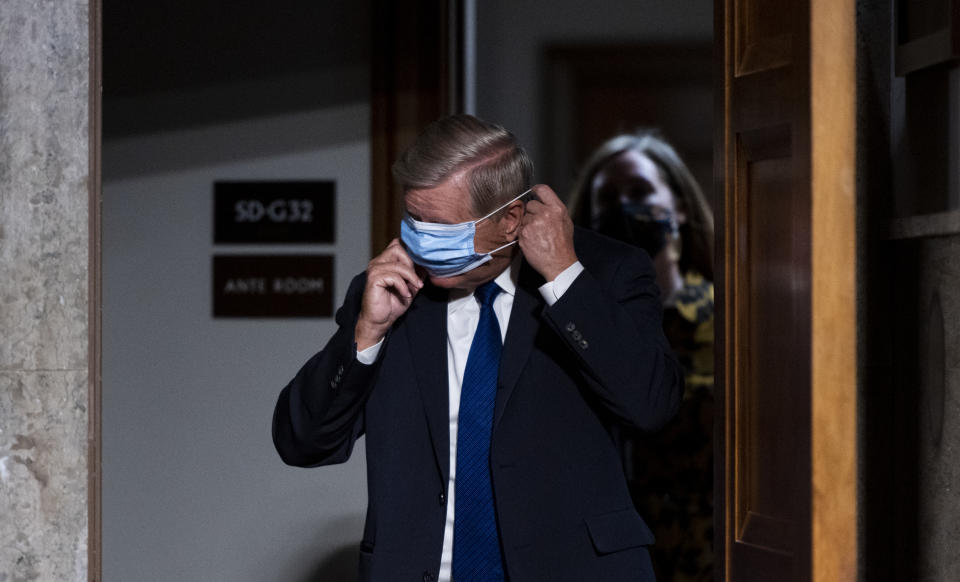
(44, 156)
(924, 422)
(938, 406)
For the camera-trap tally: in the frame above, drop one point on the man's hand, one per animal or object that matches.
(391, 286)
(546, 234)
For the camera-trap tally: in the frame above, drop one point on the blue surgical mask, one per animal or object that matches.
(446, 250)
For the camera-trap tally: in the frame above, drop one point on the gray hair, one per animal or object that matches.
(498, 169)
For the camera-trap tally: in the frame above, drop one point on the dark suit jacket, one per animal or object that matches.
(571, 375)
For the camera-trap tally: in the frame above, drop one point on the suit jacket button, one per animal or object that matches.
(584, 344)
(570, 326)
(577, 335)
(442, 498)
(427, 577)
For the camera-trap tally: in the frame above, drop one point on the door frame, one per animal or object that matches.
(398, 114)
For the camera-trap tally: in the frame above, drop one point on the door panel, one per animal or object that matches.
(786, 266)
(770, 405)
(763, 35)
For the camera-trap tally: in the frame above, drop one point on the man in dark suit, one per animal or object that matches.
(490, 359)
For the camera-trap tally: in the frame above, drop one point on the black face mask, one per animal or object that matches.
(635, 225)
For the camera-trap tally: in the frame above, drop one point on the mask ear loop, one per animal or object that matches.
(500, 248)
(515, 241)
(503, 206)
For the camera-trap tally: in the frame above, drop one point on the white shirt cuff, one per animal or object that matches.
(369, 355)
(552, 291)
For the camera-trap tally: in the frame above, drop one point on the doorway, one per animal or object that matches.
(240, 91)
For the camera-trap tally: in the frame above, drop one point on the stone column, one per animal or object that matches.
(44, 157)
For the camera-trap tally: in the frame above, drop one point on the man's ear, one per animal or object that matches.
(512, 218)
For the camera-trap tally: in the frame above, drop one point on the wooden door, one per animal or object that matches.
(786, 374)
(417, 76)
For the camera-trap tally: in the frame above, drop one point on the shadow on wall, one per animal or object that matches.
(253, 139)
(340, 565)
(327, 550)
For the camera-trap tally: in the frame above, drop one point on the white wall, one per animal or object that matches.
(192, 487)
(512, 35)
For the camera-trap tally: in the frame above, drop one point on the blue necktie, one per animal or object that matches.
(476, 544)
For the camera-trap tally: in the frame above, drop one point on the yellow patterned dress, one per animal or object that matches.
(671, 472)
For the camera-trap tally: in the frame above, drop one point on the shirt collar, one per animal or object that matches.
(506, 280)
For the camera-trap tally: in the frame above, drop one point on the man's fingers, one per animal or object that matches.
(411, 282)
(399, 255)
(395, 257)
(413, 289)
(394, 253)
(534, 207)
(395, 283)
(546, 195)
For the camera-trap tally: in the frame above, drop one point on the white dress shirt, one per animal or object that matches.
(463, 315)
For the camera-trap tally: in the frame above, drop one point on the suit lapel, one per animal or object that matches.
(427, 337)
(521, 331)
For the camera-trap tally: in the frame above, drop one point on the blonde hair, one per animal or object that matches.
(696, 233)
(499, 169)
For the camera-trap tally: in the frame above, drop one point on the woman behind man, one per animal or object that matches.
(635, 188)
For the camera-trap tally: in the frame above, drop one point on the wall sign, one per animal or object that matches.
(273, 286)
(274, 212)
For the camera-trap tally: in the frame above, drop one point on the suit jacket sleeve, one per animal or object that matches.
(319, 414)
(615, 331)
